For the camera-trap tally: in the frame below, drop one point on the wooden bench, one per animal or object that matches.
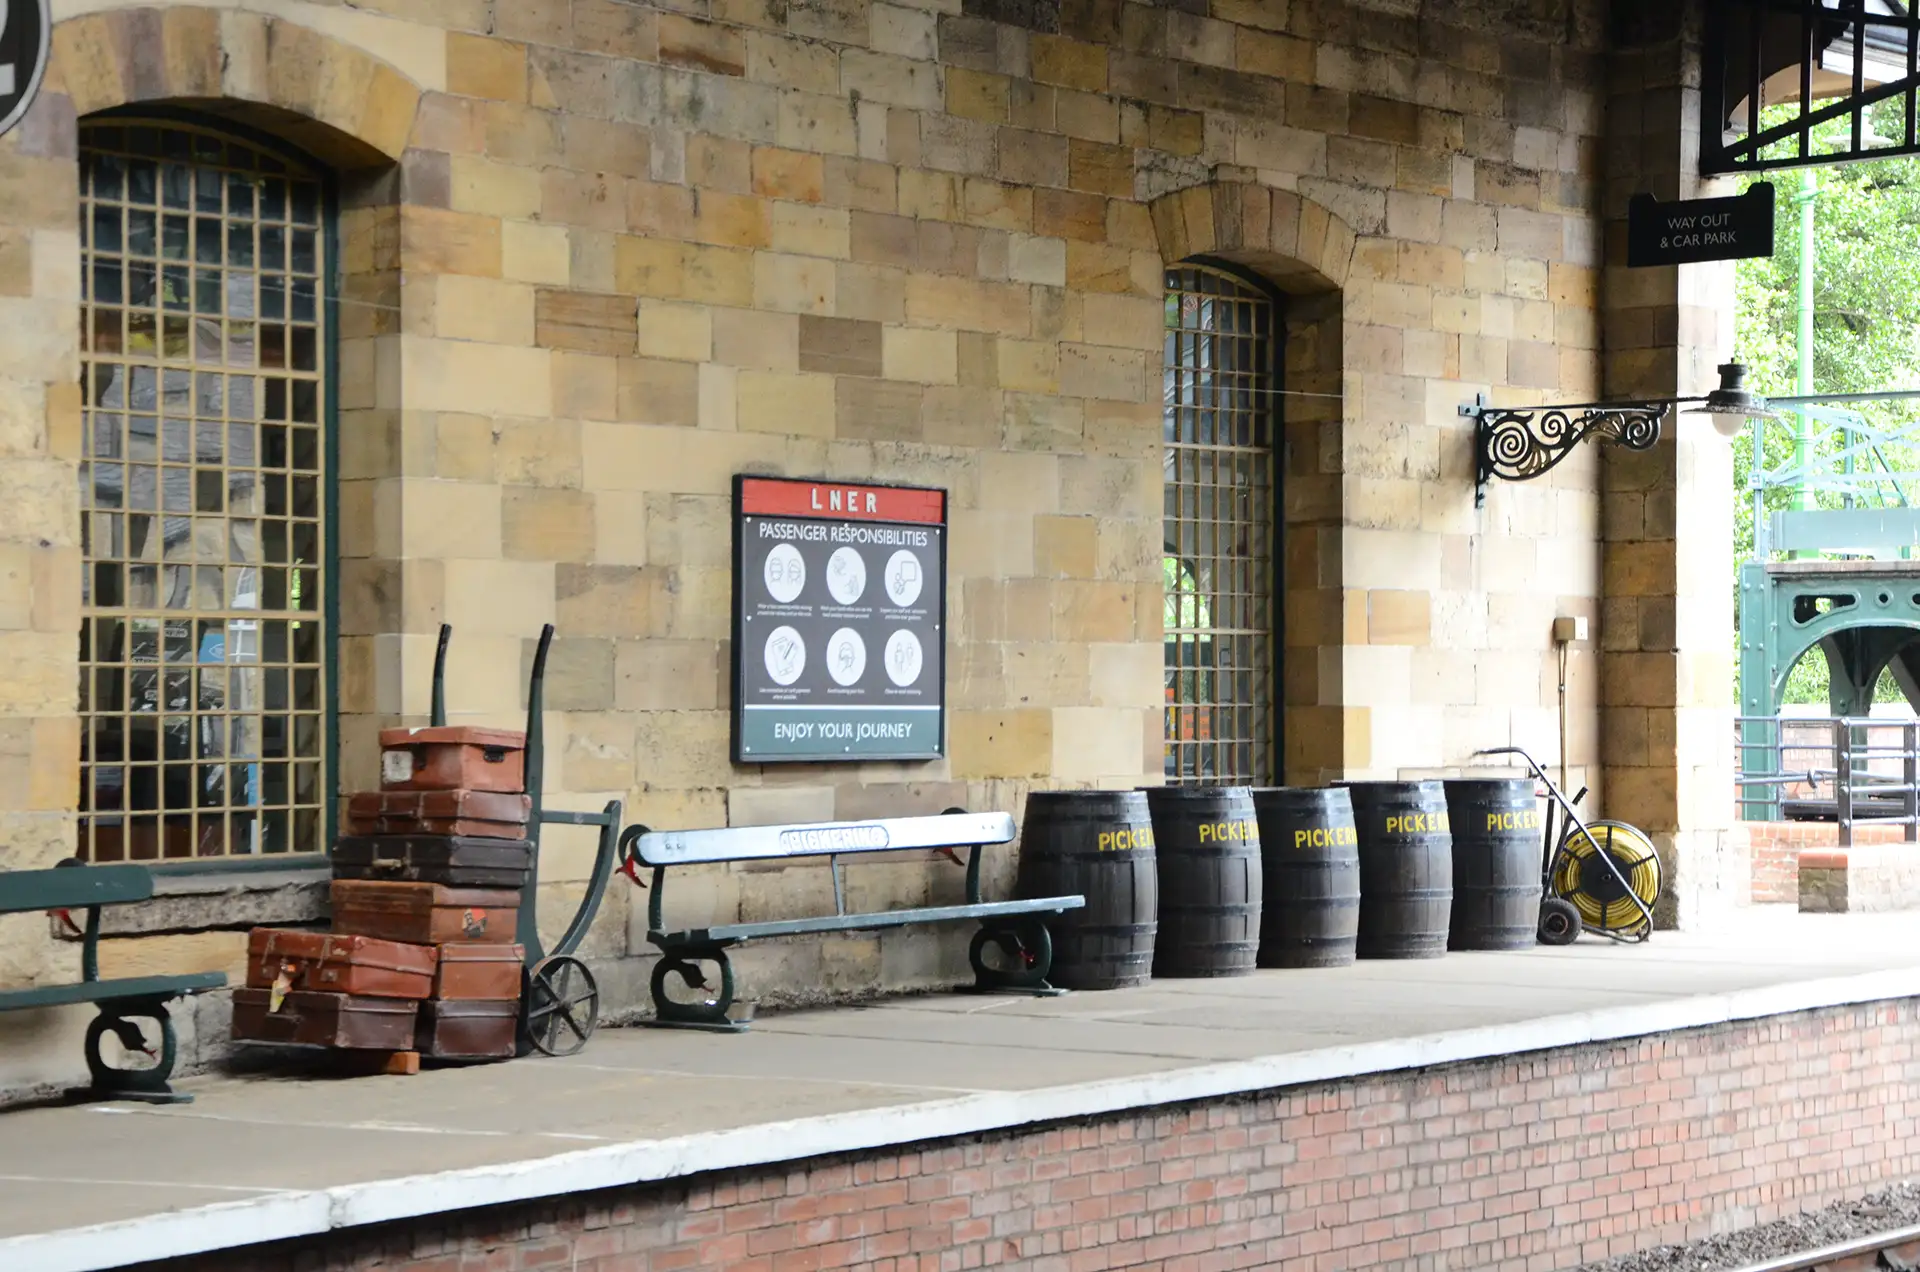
(1017, 930)
(121, 1002)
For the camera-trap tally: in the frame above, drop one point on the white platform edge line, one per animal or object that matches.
(290, 1215)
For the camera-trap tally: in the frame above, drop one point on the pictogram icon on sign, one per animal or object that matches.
(26, 33)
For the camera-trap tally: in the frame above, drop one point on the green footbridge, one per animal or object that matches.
(1849, 583)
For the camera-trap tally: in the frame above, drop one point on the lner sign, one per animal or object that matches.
(839, 621)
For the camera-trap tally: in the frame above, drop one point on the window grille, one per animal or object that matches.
(1219, 566)
(203, 493)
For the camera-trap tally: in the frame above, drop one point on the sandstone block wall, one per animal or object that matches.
(1666, 697)
(599, 255)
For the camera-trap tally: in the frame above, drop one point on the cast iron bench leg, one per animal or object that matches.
(1026, 944)
(149, 1086)
(684, 961)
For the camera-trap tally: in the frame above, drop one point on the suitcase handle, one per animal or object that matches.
(389, 864)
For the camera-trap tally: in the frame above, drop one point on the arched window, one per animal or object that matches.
(1220, 569)
(204, 648)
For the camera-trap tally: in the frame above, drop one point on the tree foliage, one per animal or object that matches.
(1866, 323)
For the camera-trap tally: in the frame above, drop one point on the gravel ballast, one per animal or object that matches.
(1883, 1211)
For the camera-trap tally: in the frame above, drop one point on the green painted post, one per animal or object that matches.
(1804, 200)
(1758, 638)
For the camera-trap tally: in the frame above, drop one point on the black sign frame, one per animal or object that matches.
(748, 571)
(1691, 231)
(26, 45)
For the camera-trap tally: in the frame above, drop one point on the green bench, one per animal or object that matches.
(122, 1002)
(1017, 930)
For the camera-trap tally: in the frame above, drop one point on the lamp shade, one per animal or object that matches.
(1732, 404)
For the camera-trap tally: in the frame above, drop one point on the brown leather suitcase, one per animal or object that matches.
(489, 973)
(467, 1030)
(453, 759)
(471, 814)
(324, 1020)
(454, 860)
(338, 964)
(424, 913)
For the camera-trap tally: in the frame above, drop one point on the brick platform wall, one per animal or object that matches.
(1776, 849)
(1531, 1163)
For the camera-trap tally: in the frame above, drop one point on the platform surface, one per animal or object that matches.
(97, 1186)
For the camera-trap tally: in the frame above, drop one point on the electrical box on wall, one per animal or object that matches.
(1566, 630)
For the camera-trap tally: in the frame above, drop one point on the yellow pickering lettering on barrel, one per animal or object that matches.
(1124, 840)
(1513, 821)
(1417, 823)
(1228, 832)
(1325, 836)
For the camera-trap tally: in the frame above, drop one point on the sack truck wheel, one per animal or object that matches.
(1559, 922)
(562, 1005)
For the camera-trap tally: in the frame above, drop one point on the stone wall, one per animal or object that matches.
(600, 255)
(1666, 677)
(1548, 1160)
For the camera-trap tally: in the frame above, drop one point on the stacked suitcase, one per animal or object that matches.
(426, 899)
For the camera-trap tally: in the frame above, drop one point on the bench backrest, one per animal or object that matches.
(73, 887)
(822, 839)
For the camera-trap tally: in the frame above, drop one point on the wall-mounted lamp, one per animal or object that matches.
(1521, 443)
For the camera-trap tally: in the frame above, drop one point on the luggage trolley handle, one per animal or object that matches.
(1539, 775)
(1548, 838)
(437, 716)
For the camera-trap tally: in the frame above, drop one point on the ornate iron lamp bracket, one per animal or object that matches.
(1521, 443)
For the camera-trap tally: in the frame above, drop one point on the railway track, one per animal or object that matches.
(1856, 1255)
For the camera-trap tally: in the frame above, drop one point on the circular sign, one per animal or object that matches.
(846, 656)
(786, 655)
(26, 29)
(846, 575)
(786, 573)
(903, 578)
(903, 658)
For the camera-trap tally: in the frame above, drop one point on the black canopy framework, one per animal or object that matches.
(1835, 59)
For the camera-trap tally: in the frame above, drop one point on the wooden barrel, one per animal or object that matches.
(1098, 844)
(1310, 857)
(1209, 860)
(1496, 864)
(1406, 868)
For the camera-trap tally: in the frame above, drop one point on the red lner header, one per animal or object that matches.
(839, 500)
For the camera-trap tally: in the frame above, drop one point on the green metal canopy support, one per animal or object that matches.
(1865, 616)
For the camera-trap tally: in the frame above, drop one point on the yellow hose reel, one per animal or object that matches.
(1582, 877)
